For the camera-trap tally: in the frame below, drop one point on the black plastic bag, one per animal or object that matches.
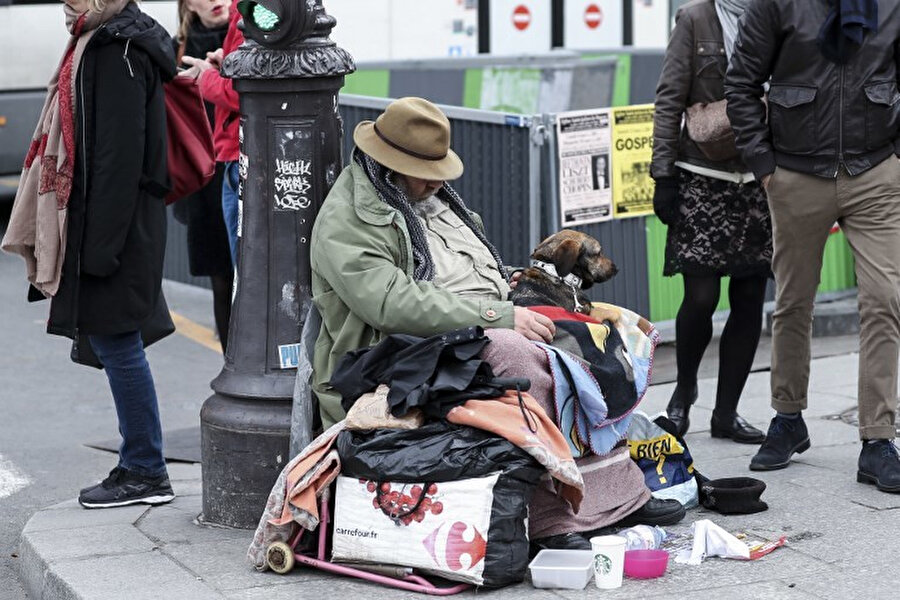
(440, 452)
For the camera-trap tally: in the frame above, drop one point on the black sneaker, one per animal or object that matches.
(784, 438)
(879, 464)
(123, 487)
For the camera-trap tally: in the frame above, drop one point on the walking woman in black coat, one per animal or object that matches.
(89, 218)
(202, 28)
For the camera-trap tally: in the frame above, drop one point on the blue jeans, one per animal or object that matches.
(230, 210)
(134, 394)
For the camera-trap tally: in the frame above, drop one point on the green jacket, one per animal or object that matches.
(362, 284)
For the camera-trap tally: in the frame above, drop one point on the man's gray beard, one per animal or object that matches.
(400, 182)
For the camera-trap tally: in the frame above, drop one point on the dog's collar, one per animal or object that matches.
(550, 269)
(571, 280)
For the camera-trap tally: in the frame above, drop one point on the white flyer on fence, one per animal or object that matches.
(585, 187)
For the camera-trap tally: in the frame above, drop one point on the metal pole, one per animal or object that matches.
(288, 74)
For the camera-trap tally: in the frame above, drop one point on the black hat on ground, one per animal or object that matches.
(733, 495)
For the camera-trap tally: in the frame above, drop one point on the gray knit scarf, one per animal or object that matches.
(382, 178)
(729, 12)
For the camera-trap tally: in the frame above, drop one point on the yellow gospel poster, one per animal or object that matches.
(632, 135)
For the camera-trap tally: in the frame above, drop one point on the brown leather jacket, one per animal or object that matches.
(693, 71)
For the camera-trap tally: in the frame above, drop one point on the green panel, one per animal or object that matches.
(374, 82)
(665, 292)
(472, 88)
(510, 90)
(622, 86)
(838, 266)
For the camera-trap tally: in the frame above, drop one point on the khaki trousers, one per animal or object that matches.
(867, 207)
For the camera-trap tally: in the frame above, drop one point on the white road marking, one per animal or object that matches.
(11, 479)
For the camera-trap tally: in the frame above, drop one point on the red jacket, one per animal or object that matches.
(217, 89)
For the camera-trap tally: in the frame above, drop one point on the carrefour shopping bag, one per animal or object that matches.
(448, 500)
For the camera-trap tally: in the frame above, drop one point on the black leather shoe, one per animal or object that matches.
(562, 541)
(879, 464)
(655, 512)
(736, 429)
(784, 438)
(679, 406)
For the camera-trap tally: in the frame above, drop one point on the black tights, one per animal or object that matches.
(221, 288)
(693, 331)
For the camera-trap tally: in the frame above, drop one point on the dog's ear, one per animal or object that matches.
(565, 255)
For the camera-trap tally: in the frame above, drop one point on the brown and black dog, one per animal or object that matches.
(578, 262)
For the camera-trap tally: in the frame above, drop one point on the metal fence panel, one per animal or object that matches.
(625, 242)
(498, 175)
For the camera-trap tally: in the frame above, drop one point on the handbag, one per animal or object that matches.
(190, 152)
(708, 126)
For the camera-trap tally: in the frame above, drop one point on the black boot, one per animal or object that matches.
(655, 512)
(735, 428)
(784, 438)
(562, 541)
(879, 464)
(680, 406)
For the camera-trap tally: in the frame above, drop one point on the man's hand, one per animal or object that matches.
(532, 325)
(514, 279)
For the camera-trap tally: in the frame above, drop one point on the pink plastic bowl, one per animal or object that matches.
(645, 564)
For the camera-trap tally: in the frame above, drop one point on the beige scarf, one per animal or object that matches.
(37, 226)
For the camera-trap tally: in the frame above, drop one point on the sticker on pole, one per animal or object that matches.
(289, 355)
(593, 16)
(521, 17)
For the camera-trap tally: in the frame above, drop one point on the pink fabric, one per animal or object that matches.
(530, 428)
(613, 484)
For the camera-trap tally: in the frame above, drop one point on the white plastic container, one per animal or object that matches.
(562, 569)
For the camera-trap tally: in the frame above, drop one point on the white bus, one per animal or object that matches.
(33, 36)
(32, 39)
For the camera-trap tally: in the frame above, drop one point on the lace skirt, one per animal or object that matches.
(723, 228)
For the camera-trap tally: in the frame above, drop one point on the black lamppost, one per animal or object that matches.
(288, 74)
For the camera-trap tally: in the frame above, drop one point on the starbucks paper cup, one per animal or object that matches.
(609, 560)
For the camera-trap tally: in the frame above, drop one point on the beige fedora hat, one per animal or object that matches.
(412, 137)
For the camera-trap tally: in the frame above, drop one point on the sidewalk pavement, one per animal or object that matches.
(843, 537)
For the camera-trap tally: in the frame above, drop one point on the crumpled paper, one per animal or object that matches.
(712, 540)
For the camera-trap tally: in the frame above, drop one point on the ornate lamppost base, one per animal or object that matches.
(245, 445)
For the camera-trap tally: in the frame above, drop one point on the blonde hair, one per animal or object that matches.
(185, 18)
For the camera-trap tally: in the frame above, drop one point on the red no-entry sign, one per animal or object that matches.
(521, 17)
(593, 16)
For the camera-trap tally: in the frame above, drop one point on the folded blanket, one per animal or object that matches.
(601, 371)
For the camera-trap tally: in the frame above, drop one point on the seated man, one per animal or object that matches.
(394, 250)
